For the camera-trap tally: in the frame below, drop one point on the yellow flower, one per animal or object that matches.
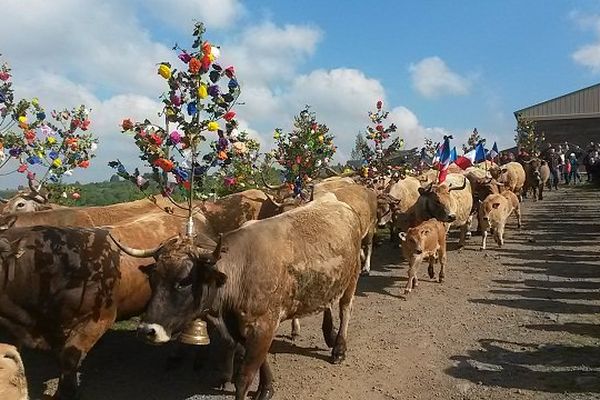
(213, 126)
(51, 140)
(211, 57)
(57, 162)
(202, 91)
(321, 138)
(165, 71)
(23, 119)
(35, 101)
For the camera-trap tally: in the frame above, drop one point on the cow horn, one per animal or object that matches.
(464, 185)
(332, 171)
(272, 200)
(262, 176)
(135, 252)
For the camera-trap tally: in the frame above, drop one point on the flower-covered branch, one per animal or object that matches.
(304, 151)
(379, 133)
(45, 150)
(199, 102)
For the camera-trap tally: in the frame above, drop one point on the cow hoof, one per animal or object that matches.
(264, 393)
(365, 273)
(337, 358)
(407, 290)
(294, 336)
(440, 279)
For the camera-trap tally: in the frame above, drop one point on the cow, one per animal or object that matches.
(494, 212)
(537, 173)
(13, 382)
(396, 204)
(512, 175)
(293, 264)
(425, 241)
(450, 202)
(59, 292)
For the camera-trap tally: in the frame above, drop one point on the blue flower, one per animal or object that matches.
(233, 83)
(53, 155)
(192, 108)
(34, 160)
(41, 116)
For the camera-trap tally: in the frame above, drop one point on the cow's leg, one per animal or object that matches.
(329, 332)
(226, 375)
(500, 234)
(295, 328)
(82, 338)
(463, 233)
(518, 216)
(484, 235)
(443, 260)
(412, 276)
(393, 235)
(368, 244)
(541, 190)
(338, 353)
(257, 343)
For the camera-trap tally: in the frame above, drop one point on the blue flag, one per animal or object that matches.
(453, 155)
(479, 153)
(445, 150)
(494, 152)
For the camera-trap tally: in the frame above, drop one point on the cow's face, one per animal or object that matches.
(438, 203)
(386, 206)
(415, 239)
(182, 279)
(487, 186)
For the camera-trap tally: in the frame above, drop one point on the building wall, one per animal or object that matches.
(576, 131)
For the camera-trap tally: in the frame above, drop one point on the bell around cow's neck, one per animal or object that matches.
(195, 333)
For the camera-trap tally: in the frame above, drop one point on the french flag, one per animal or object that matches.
(470, 158)
(444, 154)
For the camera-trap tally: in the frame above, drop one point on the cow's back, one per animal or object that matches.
(363, 201)
(297, 261)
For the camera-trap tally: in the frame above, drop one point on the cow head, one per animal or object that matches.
(34, 200)
(487, 186)
(415, 239)
(437, 200)
(184, 279)
(532, 169)
(386, 206)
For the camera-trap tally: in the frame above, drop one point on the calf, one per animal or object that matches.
(494, 211)
(13, 383)
(425, 241)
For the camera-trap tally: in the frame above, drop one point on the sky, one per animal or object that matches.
(440, 67)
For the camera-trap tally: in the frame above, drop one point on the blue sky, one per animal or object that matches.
(441, 67)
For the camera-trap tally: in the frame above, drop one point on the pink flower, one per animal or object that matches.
(22, 168)
(185, 57)
(229, 181)
(176, 100)
(4, 76)
(85, 125)
(230, 71)
(379, 104)
(175, 137)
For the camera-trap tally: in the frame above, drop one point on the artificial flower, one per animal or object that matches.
(22, 168)
(194, 65)
(175, 100)
(84, 164)
(57, 162)
(213, 126)
(230, 71)
(175, 137)
(185, 57)
(206, 48)
(229, 115)
(4, 76)
(222, 155)
(75, 196)
(164, 70)
(127, 124)
(156, 139)
(379, 104)
(192, 108)
(202, 91)
(165, 164)
(213, 90)
(215, 52)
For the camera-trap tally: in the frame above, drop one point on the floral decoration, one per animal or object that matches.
(304, 151)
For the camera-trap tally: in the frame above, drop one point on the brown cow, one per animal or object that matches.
(450, 202)
(13, 382)
(59, 292)
(537, 173)
(395, 205)
(425, 241)
(512, 175)
(284, 267)
(494, 211)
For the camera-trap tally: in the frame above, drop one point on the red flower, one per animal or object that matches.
(166, 165)
(75, 123)
(186, 185)
(206, 62)
(206, 48)
(230, 71)
(379, 128)
(229, 115)
(29, 135)
(194, 65)
(156, 139)
(85, 125)
(127, 124)
(22, 168)
(84, 164)
(379, 104)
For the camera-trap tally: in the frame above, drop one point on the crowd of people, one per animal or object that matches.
(565, 161)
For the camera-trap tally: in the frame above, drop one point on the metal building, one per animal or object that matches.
(573, 117)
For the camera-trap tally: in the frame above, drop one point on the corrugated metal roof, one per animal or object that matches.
(583, 103)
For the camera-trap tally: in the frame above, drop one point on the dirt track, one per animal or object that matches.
(521, 322)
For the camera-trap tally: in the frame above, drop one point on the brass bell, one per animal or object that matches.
(195, 333)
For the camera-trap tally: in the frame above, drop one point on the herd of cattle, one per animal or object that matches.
(256, 259)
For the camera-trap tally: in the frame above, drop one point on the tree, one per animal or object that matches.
(115, 178)
(472, 141)
(361, 150)
(527, 138)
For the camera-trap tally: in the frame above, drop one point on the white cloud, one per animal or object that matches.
(588, 55)
(214, 13)
(432, 78)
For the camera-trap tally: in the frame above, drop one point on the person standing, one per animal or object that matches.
(553, 161)
(574, 174)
